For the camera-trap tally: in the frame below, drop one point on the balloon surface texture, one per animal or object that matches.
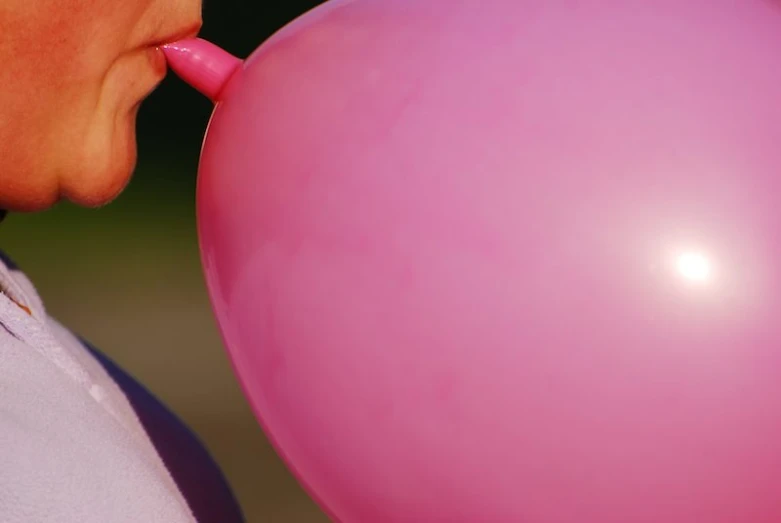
(505, 261)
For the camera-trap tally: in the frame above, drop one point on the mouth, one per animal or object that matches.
(153, 50)
(190, 31)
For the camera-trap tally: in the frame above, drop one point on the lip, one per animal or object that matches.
(152, 49)
(190, 31)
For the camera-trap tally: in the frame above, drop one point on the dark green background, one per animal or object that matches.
(128, 276)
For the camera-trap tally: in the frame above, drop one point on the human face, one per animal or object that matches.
(73, 74)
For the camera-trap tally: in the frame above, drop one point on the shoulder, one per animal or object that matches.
(80, 434)
(193, 469)
(64, 458)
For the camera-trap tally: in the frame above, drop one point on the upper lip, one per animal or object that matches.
(189, 31)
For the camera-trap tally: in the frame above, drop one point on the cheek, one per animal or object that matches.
(53, 61)
(59, 42)
(42, 83)
(67, 88)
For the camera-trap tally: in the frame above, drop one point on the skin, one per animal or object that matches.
(73, 75)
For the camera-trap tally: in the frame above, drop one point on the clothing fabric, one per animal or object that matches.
(81, 441)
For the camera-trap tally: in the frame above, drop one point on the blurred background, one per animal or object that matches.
(128, 276)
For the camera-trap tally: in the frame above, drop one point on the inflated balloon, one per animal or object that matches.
(506, 261)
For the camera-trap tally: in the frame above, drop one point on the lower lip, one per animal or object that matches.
(157, 60)
(159, 67)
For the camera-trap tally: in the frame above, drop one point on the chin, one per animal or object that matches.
(28, 199)
(87, 187)
(105, 171)
(97, 187)
(89, 166)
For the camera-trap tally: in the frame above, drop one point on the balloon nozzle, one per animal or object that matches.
(202, 65)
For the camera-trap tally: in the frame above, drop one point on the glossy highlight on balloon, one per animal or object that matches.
(505, 261)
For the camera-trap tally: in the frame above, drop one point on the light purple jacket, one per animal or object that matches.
(81, 441)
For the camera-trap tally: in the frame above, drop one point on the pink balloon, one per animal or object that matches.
(506, 261)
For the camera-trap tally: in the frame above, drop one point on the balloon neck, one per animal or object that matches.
(202, 65)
